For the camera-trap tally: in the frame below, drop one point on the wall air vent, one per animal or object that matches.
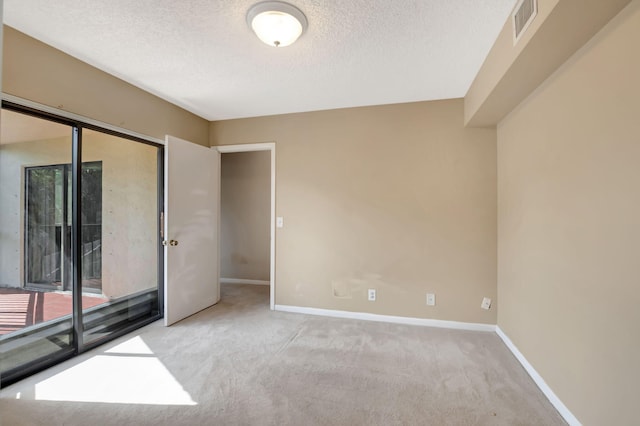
(522, 17)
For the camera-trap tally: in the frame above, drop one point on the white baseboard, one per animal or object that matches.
(539, 381)
(241, 281)
(537, 378)
(388, 318)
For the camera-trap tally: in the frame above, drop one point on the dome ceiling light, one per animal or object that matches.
(276, 23)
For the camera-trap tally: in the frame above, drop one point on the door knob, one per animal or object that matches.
(170, 243)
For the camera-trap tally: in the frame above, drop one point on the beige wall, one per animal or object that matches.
(569, 226)
(37, 72)
(400, 198)
(511, 72)
(129, 206)
(501, 57)
(245, 213)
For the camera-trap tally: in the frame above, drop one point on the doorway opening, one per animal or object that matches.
(247, 215)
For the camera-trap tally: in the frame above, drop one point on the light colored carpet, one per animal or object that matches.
(239, 363)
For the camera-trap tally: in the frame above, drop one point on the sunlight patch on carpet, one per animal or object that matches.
(134, 345)
(125, 374)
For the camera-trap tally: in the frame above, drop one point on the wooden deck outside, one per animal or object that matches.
(21, 308)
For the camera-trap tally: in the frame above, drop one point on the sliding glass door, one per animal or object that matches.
(80, 254)
(35, 319)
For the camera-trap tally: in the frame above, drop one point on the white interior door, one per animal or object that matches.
(192, 200)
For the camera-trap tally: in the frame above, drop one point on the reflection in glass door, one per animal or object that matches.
(127, 214)
(91, 226)
(48, 226)
(47, 232)
(80, 254)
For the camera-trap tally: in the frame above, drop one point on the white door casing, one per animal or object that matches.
(271, 147)
(191, 217)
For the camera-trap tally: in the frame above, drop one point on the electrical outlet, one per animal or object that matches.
(431, 299)
(372, 295)
(486, 303)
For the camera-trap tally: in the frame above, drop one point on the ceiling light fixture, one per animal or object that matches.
(276, 23)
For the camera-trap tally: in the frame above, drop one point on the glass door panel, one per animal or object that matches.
(120, 234)
(35, 255)
(46, 227)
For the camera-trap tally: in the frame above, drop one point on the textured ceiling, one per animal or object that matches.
(202, 56)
